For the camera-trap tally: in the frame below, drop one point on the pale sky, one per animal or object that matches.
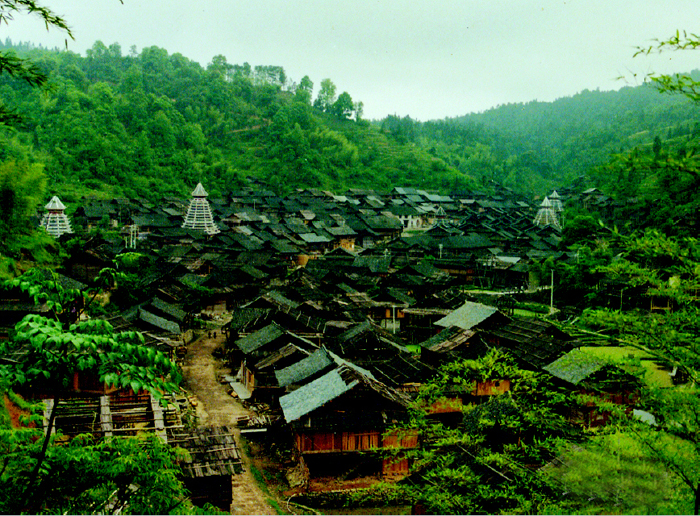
(427, 59)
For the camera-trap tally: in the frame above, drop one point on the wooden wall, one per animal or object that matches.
(330, 442)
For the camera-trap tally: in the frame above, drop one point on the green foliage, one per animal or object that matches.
(685, 85)
(42, 287)
(46, 354)
(614, 472)
(666, 269)
(490, 463)
(20, 68)
(133, 475)
(49, 354)
(21, 190)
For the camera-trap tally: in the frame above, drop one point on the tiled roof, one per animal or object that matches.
(575, 366)
(256, 340)
(467, 316)
(298, 372)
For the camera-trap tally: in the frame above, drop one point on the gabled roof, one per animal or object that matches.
(174, 311)
(315, 394)
(158, 322)
(313, 238)
(447, 339)
(211, 452)
(330, 386)
(376, 264)
(467, 316)
(303, 369)
(533, 341)
(276, 298)
(256, 340)
(575, 366)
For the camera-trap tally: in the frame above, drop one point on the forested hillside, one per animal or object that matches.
(562, 140)
(151, 124)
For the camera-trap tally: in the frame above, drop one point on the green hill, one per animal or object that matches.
(152, 124)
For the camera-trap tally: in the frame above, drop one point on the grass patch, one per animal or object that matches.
(537, 308)
(276, 506)
(526, 313)
(260, 479)
(655, 374)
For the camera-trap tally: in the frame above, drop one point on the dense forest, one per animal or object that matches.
(152, 124)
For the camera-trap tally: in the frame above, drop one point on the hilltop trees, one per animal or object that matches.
(18, 67)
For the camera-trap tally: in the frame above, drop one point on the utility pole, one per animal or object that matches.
(551, 294)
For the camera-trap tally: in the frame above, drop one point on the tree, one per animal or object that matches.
(20, 68)
(137, 475)
(326, 96)
(21, 190)
(47, 355)
(676, 83)
(47, 352)
(490, 462)
(669, 270)
(359, 108)
(343, 106)
(304, 90)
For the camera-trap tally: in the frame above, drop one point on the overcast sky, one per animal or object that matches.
(428, 59)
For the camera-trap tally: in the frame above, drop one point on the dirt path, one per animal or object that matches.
(215, 407)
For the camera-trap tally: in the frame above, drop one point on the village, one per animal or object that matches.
(329, 312)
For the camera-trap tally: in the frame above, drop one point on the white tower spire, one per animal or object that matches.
(546, 215)
(199, 215)
(55, 221)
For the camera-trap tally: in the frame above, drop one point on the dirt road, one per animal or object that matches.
(215, 407)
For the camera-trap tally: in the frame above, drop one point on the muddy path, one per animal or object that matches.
(215, 407)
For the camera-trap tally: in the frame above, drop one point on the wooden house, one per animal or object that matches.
(533, 342)
(213, 457)
(340, 423)
(591, 376)
(258, 355)
(383, 353)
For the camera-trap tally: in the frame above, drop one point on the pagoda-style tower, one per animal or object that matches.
(546, 216)
(55, 221)
(199, 215)
(556, 202)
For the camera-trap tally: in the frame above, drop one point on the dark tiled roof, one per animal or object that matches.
(256, 340)
(575, 366)
(298, 372)
(159, 322)
(533, 341)
(467, 316)
(169, 309)
(211, 452)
